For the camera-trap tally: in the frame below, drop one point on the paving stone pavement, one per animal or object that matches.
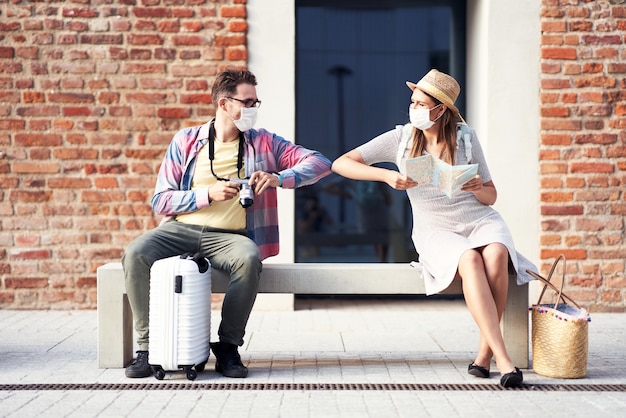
(327, 358)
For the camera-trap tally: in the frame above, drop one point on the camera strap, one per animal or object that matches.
(212, 151)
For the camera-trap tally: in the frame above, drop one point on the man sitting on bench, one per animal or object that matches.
(217, 189)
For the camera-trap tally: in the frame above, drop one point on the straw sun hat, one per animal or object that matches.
(440, 86)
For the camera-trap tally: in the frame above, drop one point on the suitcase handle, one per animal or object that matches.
(202, 262)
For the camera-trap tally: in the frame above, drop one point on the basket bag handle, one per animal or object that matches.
(546, 283)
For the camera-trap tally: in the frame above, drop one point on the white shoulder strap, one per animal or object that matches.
(464, 133)
(407, 130)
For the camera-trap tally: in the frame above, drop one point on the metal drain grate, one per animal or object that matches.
(312, 386)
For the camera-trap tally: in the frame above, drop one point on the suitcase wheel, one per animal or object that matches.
(159, 373)
(191, 374)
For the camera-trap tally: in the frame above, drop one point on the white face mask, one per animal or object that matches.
(247, 119)
(420, 117)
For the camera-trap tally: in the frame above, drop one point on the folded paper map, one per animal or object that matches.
(448, 178)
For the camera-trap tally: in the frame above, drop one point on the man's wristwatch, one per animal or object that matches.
(280, 179)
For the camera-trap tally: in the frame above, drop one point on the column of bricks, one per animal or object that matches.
(583, 147)
(91, 93)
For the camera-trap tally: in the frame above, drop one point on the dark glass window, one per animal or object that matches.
(352, 61)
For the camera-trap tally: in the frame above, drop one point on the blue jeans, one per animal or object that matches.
(231, 251)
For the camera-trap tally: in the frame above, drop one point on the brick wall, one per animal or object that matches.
(91, 92)
(583, 147)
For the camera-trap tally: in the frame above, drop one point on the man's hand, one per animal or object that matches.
(223, 190)
(261, 181)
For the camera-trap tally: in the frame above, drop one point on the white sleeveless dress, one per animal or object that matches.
(443, 227)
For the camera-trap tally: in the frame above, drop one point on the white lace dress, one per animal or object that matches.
(444, 228)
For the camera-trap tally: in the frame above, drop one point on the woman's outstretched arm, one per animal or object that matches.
(351, 165)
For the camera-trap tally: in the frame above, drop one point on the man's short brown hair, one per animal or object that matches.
(226, 82)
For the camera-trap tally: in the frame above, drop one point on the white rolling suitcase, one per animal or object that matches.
(180, 315)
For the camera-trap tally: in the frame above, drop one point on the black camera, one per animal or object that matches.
(246, 195)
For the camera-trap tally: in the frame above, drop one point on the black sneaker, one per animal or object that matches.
(139, 367)
(227, 360)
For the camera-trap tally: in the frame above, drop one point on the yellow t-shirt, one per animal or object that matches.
(228, 214)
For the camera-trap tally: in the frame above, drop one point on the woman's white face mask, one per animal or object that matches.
(420, 117)
(247, 119)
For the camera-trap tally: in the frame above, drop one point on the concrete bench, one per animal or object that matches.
(115, 325)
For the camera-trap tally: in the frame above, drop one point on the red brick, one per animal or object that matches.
(196, 85)
(590, 167)
(551, 182)
(147, 98)
(237, 53)
(569, 98)
(230, 40)
(183, 12)
(560, 124)
(556, 197)
(602, 40)
(601, 138)
(190, 40)
(592, 96)
(618, 209)
(25, 283)
(555, 111)
(559, 53)
(145, 39)
(77, 26)
(233, 11)
(580, 26)
(195, 98)
(102, 39)
(71, 97)
(561, 210)
(555, 83)
(140, 54)
(86, 282)
(7, 52)
(177, 113)
(592, 67)
(101, 196)
(106, 183)
(204, 70)
(12, 124)
(601, 81)
(140, 68)
(79, 12)
(237, 26)
(605, 53)
(152, 12)
(570, 254)
(35, 168)
(120, 25)
(190, 55)
(69, 183)
(551, 154)
(616, 152)
(120, 111)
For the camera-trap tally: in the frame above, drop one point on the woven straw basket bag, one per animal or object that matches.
(560, 333)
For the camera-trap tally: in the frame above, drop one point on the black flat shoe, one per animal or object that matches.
(513, 379)
(478, 371)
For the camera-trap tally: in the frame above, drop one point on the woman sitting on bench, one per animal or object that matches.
(458, 237)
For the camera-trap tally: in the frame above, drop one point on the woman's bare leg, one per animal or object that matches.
(482, 306)
(495, 259)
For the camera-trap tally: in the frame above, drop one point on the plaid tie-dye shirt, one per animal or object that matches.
(264, 151)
